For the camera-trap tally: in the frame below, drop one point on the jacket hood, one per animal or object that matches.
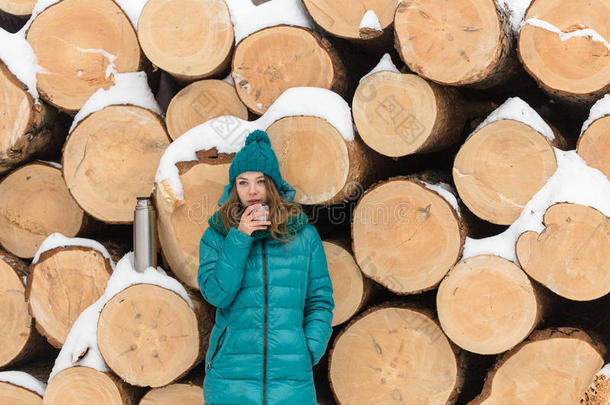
(286, 191)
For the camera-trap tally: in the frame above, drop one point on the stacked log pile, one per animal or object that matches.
(454, 157)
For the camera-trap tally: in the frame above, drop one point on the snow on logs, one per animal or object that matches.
(75, 59)
(505, 161)
(64, 279)
(393, 353)
(274, 59)
(112, 151)
(201, 101)
(472, 42)
(188, 39)
(18, 387)
(25, 221)
(308, 127)
(551, 366)
(563, 44)
(32, 125)
(19, 340)
(407, 233)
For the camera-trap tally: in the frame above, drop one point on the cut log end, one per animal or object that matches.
(61, 285)
(16, 395)
(594, 145)
(26, 221)
(148, 335)
(487, 305)
(500, 167)
(275, 59)
(552, 366)
(75, 58)
(344, 22)
(393, 355)
(577, 68)
(175, 394)
(98, 143)
(180, 227)
(405, 236)
(469, 44)
(200, 102)
(86, 385)
(190, 39)
(571, 256)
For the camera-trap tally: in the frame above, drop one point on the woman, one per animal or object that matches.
(269, 281)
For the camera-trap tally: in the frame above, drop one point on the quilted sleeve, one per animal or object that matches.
(319, 303)
(221, 265)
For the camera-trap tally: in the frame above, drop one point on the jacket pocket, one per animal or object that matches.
(221, 340)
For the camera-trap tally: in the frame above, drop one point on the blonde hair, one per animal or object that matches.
(280, 211)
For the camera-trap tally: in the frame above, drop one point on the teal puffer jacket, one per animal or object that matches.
(273, 317)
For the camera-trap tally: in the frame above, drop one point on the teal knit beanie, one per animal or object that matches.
(256, 156)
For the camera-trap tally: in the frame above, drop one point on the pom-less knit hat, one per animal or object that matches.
(257, 156)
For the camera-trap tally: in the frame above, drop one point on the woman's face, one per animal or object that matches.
(250, 188)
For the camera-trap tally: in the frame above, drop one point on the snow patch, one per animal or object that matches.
(370, 20)
(385, 64)
(19, 58)
(229, 79)
(516, 10)
(24, 380)
(447, 192)
(80, 348)
(56, 165)
(600, 109)
(516, 109)
(129, 89)
(564, 36)
(573, 182)
(605, 371)
(248, 18)
(132, 9)
(57, 239)
(228, 133)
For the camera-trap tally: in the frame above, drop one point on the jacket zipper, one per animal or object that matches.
(221, 342)
(265, 340)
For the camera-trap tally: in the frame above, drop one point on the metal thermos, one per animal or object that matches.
(144, 235)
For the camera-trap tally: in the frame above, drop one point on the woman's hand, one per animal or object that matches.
(247, 224)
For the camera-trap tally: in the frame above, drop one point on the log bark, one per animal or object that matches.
(150, 336)
(405, 236)
(400, 114)
(570, 257)
(27, 130)
(86, 385)
(393, 353)
(190, 39)
(181, 224)
(34, 203)
(351, 291)
(598, 392)
(336, 169)
(75, 58)
(575, 69)
(19, 341)
(456, 43)
(594, 145)
(487, 304)
(201, 101)
(500, 168)
(131, 136)
(552, 366)
(344, 22)
(272, 60)
(64, 282)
